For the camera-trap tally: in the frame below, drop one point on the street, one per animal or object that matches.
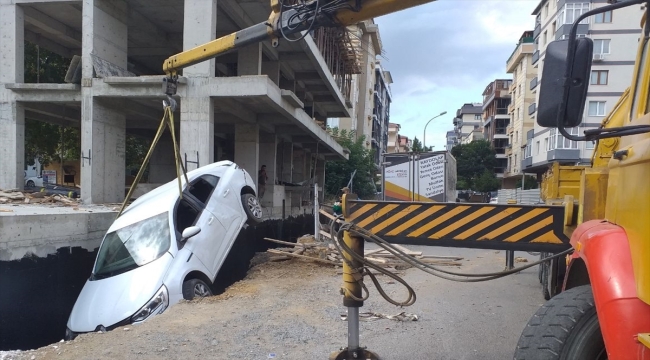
(292, 309)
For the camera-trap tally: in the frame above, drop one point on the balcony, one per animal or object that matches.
(500, 130)
(532, 108)
(538, 29)
(510, 129)
(511, 108)
(533, 83)
(527, 162)
(535, 57)
(502, 111)
(525, 46)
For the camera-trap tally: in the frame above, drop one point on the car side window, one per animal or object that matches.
(186, 215)
(203, 187)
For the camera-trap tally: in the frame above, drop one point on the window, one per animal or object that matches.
(546, 144)
(570, 12)
(537, 148)
(564, 37)
(558, 141)
(519, 90)
(477, 117)
(601, 46)
(546, 10)
(596, 108)
(527, 151)
(590, 144)
(554, 28)
(599, 77)
(544, 38)
(202, 188)
(518, 113)
(515, 161)
(517, 136)
(605, 17)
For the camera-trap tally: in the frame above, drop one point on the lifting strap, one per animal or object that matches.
(167, 120)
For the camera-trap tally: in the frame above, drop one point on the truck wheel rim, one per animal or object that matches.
(254, 207)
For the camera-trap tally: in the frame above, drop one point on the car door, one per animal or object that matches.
(225, 203)
(206, 244)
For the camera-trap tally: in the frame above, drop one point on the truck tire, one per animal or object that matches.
(565, 328)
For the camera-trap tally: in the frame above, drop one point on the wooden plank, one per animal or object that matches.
(326, 234)
(328, 262)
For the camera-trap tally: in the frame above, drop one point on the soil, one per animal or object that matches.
(278, 310)
(292, 310)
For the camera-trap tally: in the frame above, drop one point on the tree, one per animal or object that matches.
(419, 147)
(530, 183)
(473, 160)
(486, 182)
(361, 159)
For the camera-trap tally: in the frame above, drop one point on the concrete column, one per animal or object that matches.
(272, 70)
(268, 157)
(103, 125)
(104, 34)
(287, 161)
(162, 166)
(249, 60)
(12, 140)
(103, 132)
(320, 174)
(247, 148)
(268, 150)
(12, 113)
(199, 27)
(197, 125)
(12, 44)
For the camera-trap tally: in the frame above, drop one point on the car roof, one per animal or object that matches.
(163, 198)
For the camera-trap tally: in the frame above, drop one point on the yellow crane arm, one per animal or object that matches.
(284, 22)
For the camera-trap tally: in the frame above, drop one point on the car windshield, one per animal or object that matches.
(133, 246)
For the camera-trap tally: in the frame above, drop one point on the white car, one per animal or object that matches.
(34, 181)
(163, 248)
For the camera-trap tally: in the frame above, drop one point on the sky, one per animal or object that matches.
(443, 54)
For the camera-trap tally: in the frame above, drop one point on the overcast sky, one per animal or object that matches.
(443, 54)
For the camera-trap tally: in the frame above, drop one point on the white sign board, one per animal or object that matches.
(432, 176)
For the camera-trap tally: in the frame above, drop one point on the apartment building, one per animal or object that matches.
(382, 99)
(468, 118)
(615, 37)
(523, 79)
(496, 100)
(405, 144)
(393, 138)
(452, 140)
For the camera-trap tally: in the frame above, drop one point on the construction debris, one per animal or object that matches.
(15, 197)
(306, 248)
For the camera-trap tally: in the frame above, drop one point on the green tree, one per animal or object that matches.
(472, 161)
(417, 146)
(530, 183)
(487, 181)
(361, 159)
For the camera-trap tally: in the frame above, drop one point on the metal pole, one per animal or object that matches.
(316, 212)
(353, 328)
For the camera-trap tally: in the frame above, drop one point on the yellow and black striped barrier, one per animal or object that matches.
(486, 226)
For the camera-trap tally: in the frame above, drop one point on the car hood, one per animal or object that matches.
(108, 301)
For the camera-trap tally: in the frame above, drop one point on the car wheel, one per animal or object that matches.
(30, 183)
(196, 288)
(566, 327)
(252, 208)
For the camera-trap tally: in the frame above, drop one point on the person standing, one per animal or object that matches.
(262, 178)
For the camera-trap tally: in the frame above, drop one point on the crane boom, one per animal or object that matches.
(285, 22)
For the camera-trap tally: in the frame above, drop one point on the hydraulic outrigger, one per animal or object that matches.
(610, 255)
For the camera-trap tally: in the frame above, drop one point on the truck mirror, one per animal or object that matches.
(551, 93)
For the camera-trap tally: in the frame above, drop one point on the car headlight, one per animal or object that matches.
(156, 305)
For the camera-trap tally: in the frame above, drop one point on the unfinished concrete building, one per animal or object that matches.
(258, 105)
(496, 99)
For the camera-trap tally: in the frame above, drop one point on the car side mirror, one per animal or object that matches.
(551, 92)
(189, 232)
